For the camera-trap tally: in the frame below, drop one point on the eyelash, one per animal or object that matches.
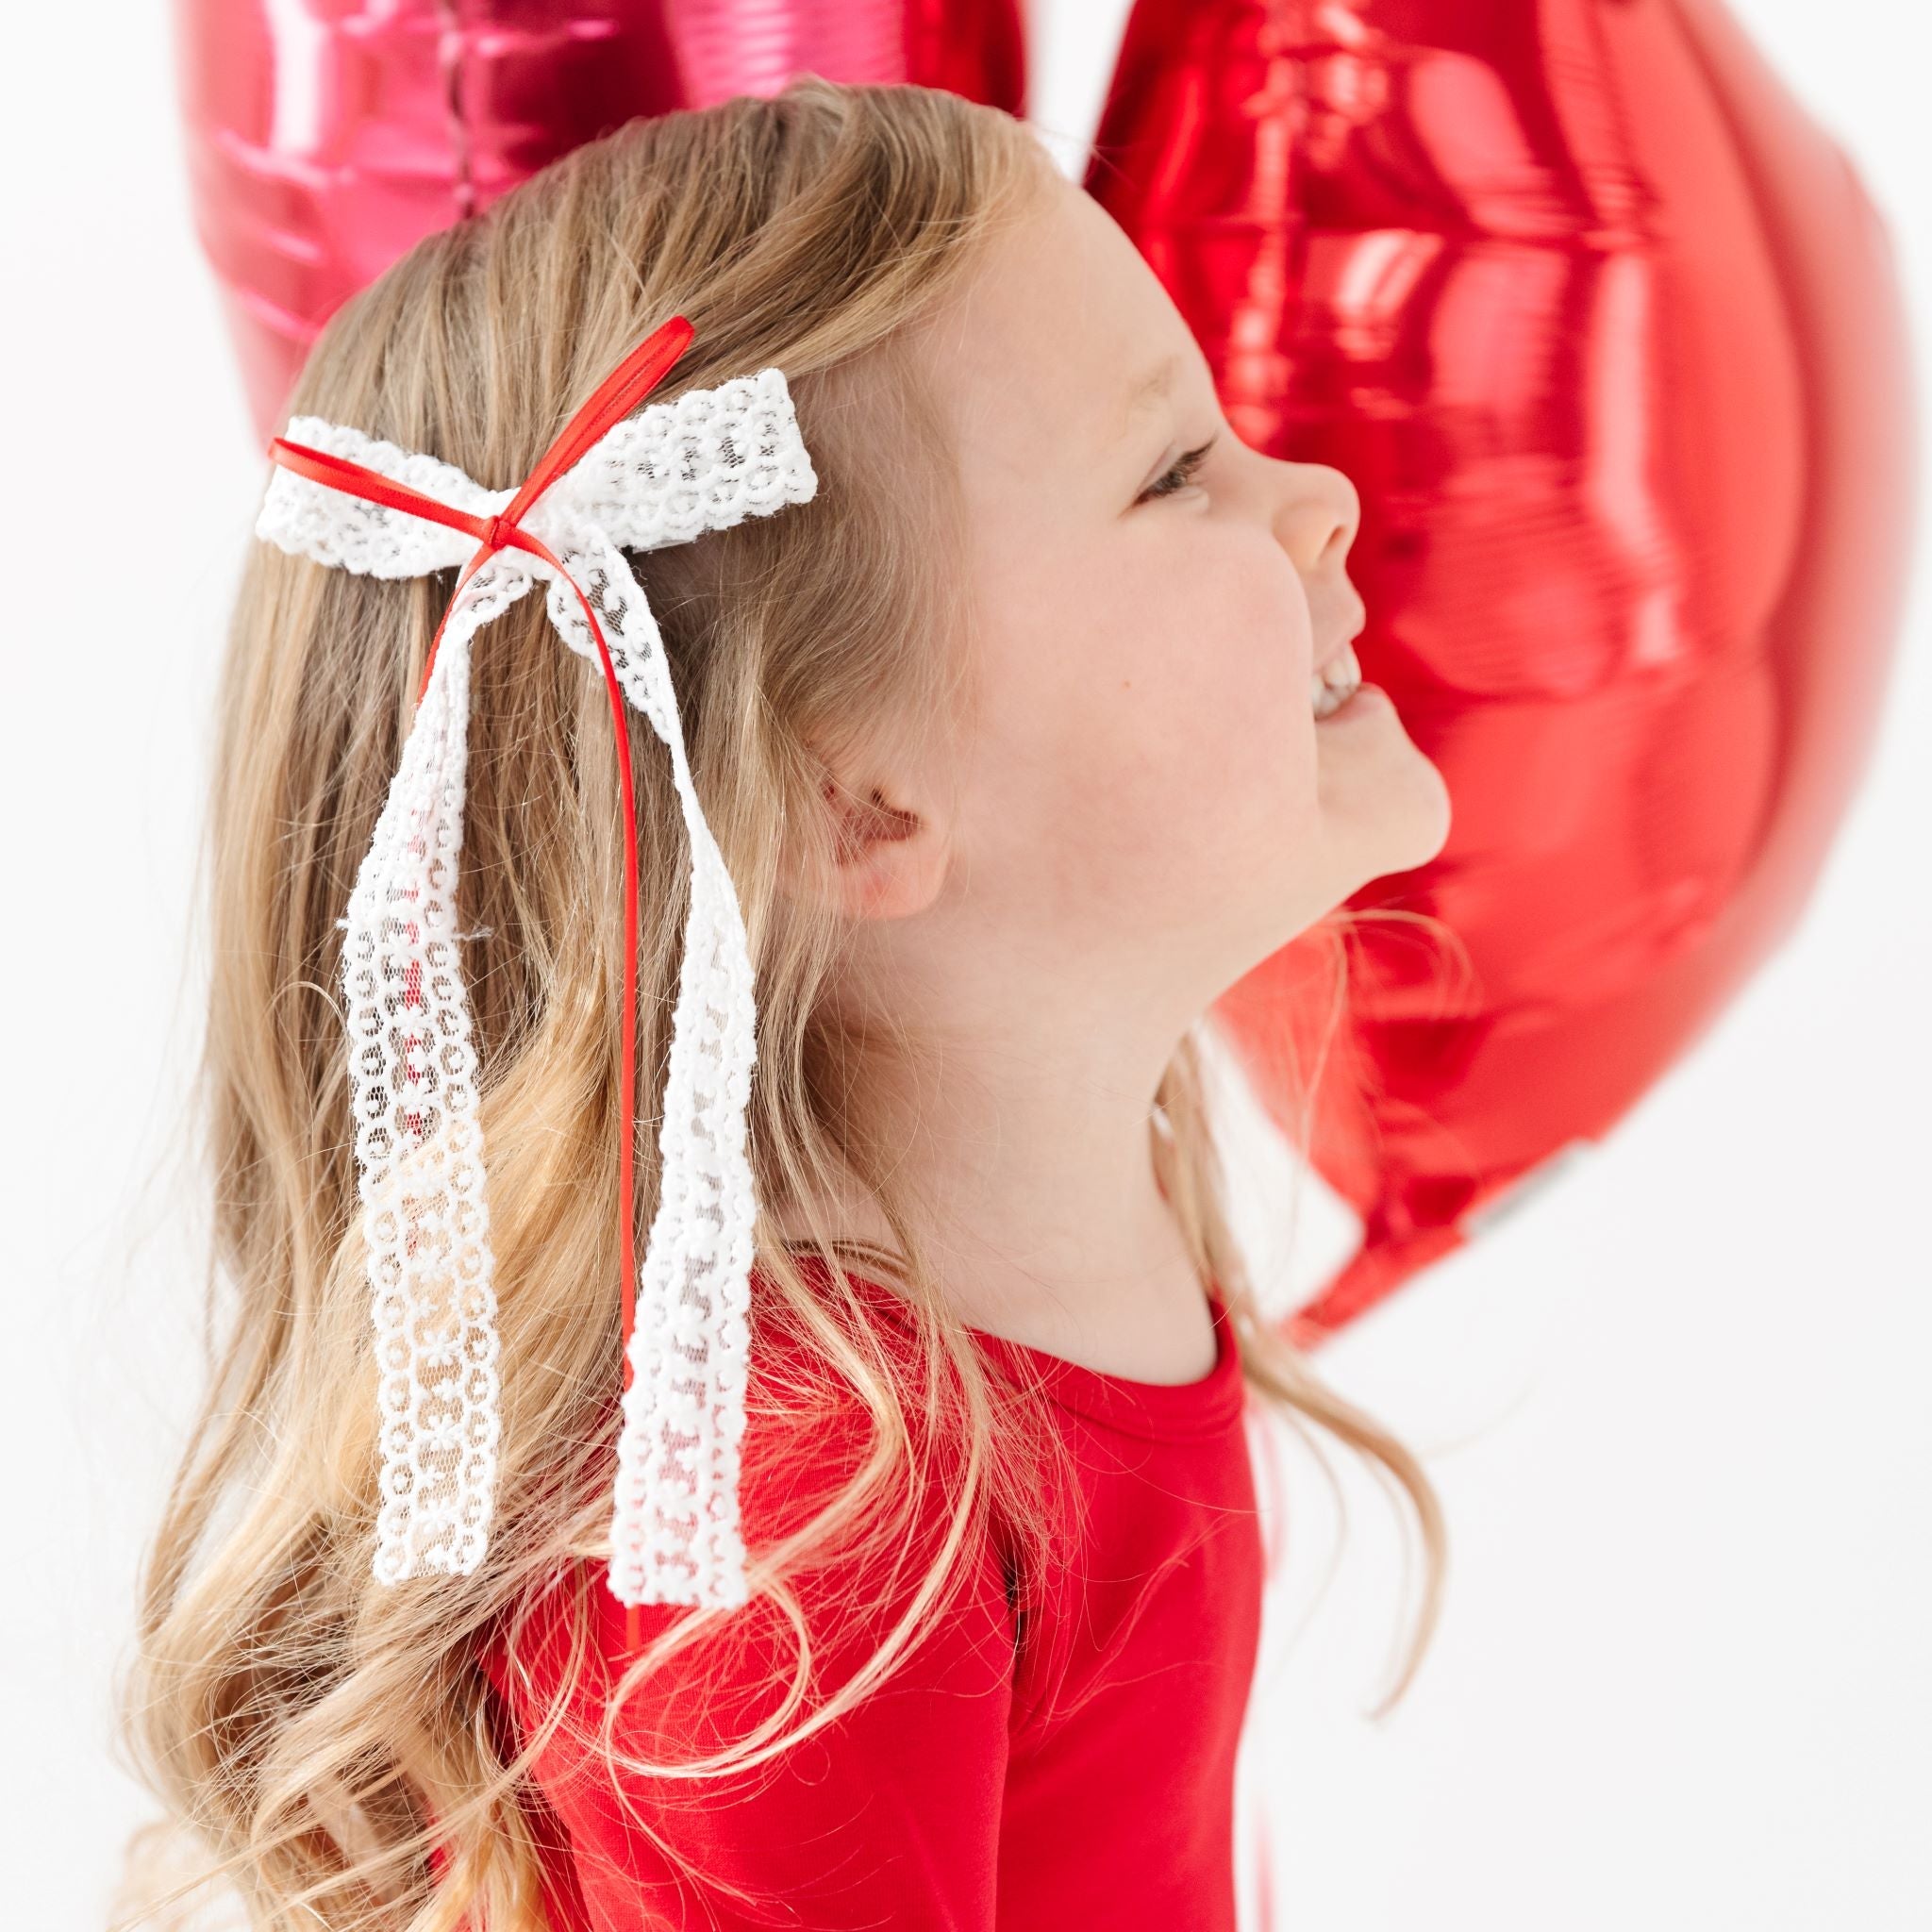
(1183, 467)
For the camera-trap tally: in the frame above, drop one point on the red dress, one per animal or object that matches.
(1063, 1760)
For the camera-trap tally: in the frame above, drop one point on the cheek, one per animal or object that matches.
(1212, 689)
(1171, 745)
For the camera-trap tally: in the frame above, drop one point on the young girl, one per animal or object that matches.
(1012, 741)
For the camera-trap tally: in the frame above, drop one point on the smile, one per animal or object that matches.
(1335, 683)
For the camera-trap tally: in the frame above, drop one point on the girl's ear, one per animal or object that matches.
(875, 852)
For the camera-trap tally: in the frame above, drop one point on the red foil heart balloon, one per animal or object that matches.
(1610, 338)
(325, 141)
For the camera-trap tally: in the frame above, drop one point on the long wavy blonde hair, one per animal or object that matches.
(307, 1730)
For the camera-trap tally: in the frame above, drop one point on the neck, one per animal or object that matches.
(1027, 1160)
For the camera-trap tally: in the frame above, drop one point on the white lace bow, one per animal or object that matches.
(661, 475)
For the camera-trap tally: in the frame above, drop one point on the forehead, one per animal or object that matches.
(1057, 349)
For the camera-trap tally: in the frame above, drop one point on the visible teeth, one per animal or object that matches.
(1329, 692)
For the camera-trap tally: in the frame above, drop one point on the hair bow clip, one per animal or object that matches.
(612, 482)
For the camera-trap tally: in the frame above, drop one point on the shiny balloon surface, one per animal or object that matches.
(1610, 338)
(325, 141)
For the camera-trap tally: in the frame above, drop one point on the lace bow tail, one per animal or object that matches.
(419, 1146)
(676, 1534)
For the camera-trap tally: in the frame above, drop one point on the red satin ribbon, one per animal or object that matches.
(614, 398)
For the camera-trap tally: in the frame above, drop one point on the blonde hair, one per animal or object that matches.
(313, 1729)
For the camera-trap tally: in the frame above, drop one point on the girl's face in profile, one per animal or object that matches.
(1144, 759)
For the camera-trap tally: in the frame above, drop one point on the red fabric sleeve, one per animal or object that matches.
(889, 1815)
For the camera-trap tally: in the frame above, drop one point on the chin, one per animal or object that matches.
(1410, 826)
(1409, 796)
(1418, 829)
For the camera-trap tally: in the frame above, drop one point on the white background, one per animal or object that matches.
(1676, 1406)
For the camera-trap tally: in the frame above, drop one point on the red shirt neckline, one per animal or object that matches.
(1164, 1412)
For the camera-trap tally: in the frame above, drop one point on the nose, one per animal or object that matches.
(1321, 512)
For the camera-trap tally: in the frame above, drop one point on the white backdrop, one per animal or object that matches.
(1676, 1405)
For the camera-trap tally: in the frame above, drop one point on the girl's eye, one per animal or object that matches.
(1177, 476)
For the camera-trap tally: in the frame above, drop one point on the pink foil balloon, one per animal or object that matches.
(325, 140)
(1607, 334)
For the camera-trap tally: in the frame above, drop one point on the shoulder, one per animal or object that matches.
(814, 1419)
(884, 1810)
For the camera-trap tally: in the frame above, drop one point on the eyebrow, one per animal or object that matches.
(1148, 390)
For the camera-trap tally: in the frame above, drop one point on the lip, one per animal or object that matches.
(1368, 698)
